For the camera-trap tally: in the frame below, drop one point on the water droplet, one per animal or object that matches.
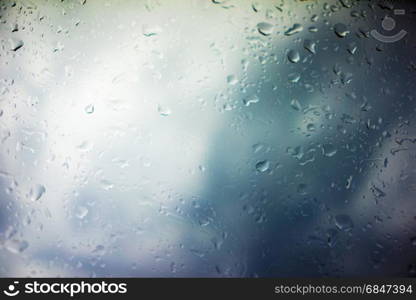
(310, 127)
(296, 28)
(81, 212)
(107, 185)
(310, 46)
(89, 109)
(346, 3)
(16, 246)
(265, 28)
(36, 192)
(313, 29)
(413, 241)
(295, 104)
(263, 166)
(341, 30)
(293, 77)
(85, 146)
(163, 111)
(347, 119)
(329, 150)
(149, 30)
(257, 147)
(352, 48)
(293, 56)
(251, 100)
(377, 192)
(15, 44)
(256, 6)
(99, 250)
(232, 80)
(344, 222)
(332, 237)
(349, 181)
(15, 27)
(197, 252)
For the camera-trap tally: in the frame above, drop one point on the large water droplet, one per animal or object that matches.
(293, 56)
(296, 28)
(265, 28)
(263, 166)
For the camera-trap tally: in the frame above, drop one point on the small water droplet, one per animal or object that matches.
(352, 48)
(310, 46)
(296, 28)
(85, 146)
(163, 111)
(293, 77)
(99, 250)
(36, 192)
(349, 181)
(256, 6)
(232, 80)
(377, 192)
(107, 185)
(15, 27)
(15, 44)
(293, 56)
(89, 109)
(149, 30)
(257, 147)
(265, 28)
(332, 237)
(329, 150)
(310, 127)
(313, 29)
(413, 241)
(295, 104)
(263, 166)
(341, 30)
(344, 222)
(81, 212)
(251, 100)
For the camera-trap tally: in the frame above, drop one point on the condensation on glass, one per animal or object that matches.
(207, 138)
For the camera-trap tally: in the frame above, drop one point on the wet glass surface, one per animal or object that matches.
(205, 138)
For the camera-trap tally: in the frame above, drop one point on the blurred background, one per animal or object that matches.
(199, 138)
